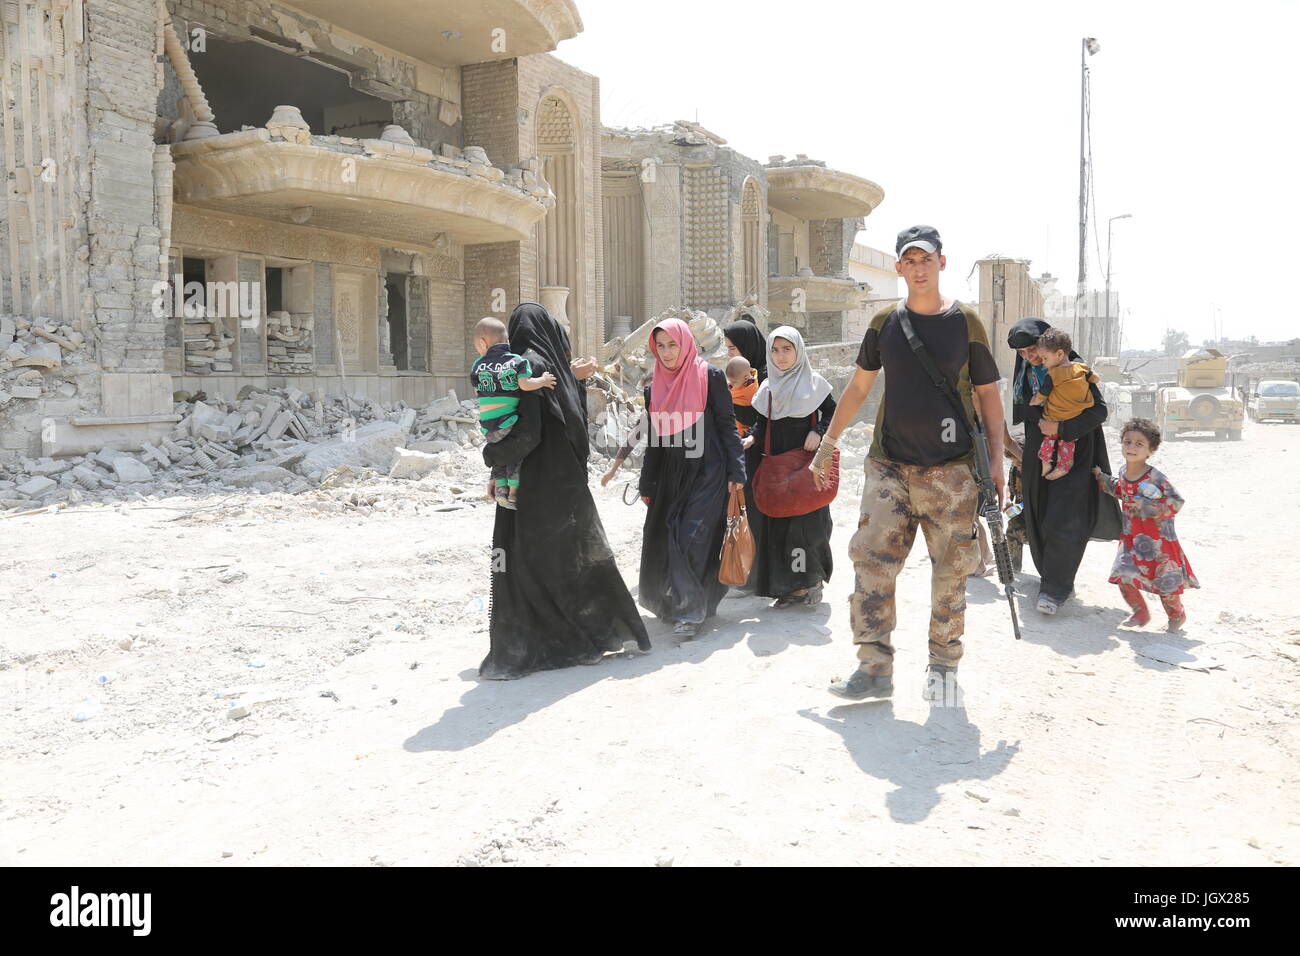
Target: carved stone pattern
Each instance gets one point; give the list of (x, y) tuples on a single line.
[(442, 267), (555, 127), (349, 323), (707, 246)]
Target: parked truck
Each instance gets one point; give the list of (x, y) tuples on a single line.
[(1202, 400)]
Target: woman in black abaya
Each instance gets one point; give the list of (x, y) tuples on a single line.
[(692, 458), (557, 597), (1062, 515), (744, 338)]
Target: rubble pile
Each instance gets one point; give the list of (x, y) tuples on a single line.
[(35, 357), (290, 441), (267, 440), (288, 343), (209, 347)]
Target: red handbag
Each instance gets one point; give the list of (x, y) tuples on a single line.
[(783, 485)]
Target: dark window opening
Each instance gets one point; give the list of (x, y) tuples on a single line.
[(245, 82), (398, 335), (194, 270), (274, 287)]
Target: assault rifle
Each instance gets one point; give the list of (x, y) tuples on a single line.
[(988, 506), (992, 512)]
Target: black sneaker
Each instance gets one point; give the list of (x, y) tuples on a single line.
[(862, 686), (941, 688)]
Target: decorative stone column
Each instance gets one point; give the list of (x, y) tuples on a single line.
[(555, 300)]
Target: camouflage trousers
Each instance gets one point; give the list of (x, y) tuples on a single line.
[(896, 499)]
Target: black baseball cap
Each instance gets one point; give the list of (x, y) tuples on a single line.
[(918, 237)]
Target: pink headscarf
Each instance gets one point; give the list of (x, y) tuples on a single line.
[(678, 395)]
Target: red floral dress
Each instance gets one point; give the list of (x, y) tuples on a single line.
[(1150, 557)]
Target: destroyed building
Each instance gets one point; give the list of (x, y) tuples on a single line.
[(691, 222), (321, 199), (208, 195)]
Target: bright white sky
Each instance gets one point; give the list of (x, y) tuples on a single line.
[(967, 114)]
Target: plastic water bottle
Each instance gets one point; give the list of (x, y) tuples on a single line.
[(85, 710), (1150, 490), (1013, 509)]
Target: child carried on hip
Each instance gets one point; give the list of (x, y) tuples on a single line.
[(499, 376), (1066, 393)]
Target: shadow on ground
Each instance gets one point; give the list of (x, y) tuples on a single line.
[(490, 706), (917, 758)]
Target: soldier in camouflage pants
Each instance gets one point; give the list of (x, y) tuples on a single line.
[(896, 499), (919, 467)]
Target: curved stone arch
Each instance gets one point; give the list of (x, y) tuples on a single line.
[(558, 136), (752, 248)]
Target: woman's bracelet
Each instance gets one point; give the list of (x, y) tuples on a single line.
[(824, 452)]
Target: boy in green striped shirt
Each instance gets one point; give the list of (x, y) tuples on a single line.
[(498, 376)]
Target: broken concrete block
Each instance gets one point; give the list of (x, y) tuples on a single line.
[(444, 407), (35, 487), (213, 432), (435, 446), (413, 464), (204, 414), (407, 420), (251, 475), (106, 456), (278, 426), (372, 446), (48, 466), (85, 477), (157, 455), (25, 391), (130, 469)]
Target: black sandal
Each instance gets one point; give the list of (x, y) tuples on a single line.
[(786, 600)]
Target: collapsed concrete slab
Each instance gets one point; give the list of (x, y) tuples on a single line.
[(370, 446), (251, 475)]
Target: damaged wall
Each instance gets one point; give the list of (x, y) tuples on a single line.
[(540, 106), (699, 211), (425, 97), (83, 82)]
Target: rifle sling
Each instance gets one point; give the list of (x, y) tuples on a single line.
[(940, 380)]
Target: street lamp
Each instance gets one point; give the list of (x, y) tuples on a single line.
[(1110, 224)]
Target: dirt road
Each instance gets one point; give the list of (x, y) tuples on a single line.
[(349, 626)]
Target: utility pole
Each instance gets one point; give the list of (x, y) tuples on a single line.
[(1089, 45)]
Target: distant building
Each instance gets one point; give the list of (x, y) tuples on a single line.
[(1093, 334), (876, 269)]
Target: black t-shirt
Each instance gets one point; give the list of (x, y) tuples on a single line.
[(916, 424)]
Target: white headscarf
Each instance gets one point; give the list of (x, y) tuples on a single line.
[(798, 391)]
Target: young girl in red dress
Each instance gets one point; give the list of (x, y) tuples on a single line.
[(1150, 557)]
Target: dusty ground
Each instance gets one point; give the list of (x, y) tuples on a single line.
[(1073, 748)]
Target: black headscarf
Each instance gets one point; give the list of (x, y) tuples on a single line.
[(1023, 335), (533, 330), (746, 337)]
